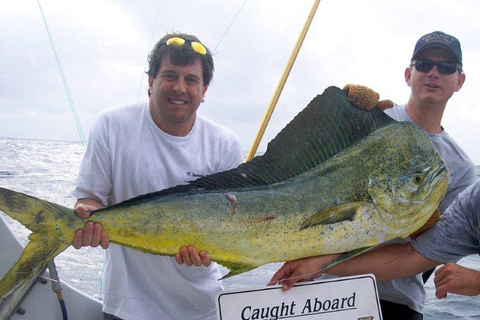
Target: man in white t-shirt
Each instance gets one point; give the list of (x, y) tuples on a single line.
[(140, 148)]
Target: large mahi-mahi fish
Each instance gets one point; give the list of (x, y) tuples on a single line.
[(336, 179)]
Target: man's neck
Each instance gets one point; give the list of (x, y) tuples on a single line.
[(177, 130), (426, 116)]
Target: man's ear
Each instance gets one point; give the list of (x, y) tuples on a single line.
[(408, 75), (461, 81)]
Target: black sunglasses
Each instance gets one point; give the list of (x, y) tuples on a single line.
[(444, 67)]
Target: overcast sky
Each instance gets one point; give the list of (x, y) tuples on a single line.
[(102, 46)]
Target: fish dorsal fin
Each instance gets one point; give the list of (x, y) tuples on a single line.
[(328, 125)]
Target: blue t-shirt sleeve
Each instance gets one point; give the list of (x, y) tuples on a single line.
[(457, 233)]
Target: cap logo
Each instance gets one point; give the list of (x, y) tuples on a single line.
[(438, 38)]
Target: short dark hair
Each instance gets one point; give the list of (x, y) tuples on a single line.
[(180, 55)]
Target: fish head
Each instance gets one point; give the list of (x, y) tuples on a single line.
[(409, 182)]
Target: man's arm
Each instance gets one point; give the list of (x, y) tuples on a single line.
[(391, 261), (387, 262)]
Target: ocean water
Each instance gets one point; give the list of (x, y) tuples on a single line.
[(47, 170)]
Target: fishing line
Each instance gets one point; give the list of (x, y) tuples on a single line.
[(69, 96), (228, 28)]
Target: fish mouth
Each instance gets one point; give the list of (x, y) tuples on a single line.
[(437, 185), (439, 176), (433, 190), (433, 187)]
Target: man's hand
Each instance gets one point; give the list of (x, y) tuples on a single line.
[(92, 235), (300, 270), (454, 278), (365, 98), (189, 257)]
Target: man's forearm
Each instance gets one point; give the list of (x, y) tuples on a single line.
[(387, 262)]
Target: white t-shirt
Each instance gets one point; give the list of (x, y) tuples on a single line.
[(128, 155)]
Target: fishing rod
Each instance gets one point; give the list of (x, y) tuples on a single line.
[(281, 84)]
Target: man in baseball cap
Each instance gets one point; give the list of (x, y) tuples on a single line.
[(434, 74)]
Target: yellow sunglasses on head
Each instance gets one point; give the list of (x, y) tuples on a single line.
[(196, 46)]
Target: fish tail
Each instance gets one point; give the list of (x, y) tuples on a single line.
[(33, 261), (53, 228)]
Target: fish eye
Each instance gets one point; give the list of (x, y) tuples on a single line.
[(417, 178)]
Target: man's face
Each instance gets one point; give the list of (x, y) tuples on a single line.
[(433, 86), (175, 95)]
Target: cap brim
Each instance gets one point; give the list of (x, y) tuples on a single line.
[(437, 46)]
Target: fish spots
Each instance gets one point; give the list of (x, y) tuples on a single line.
[(233, 201), (261, 220), (39, 218), (7, 198)]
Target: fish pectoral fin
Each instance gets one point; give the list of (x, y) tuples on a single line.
[(334, 214), (235, 268), (346, 256)]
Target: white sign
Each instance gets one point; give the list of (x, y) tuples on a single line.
[(353, 298)]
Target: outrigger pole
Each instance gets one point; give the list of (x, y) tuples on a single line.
[(281, 84)]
